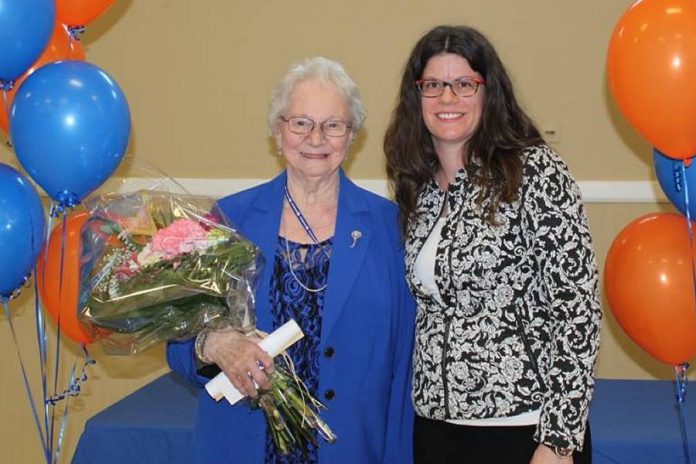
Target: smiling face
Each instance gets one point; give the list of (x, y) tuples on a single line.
[(314, 155), (451, 120)]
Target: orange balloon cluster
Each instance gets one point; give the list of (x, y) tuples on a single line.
[(652, 73), (60, 47), (649, 283), (59, 288)]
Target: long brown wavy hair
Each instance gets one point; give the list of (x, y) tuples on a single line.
[(503, 133)]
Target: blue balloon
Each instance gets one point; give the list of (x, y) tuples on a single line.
[(676, 178), (25, 29), (22, 229), (69, 124)]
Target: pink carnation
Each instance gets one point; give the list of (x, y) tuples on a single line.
[(177, 238), (209, 219)]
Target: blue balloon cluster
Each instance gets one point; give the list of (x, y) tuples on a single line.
[(70, 126), (25, 29), (677, 177), (22, 229)]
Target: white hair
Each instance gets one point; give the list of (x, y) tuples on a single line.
[(326, 71)]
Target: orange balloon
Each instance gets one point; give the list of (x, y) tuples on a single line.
[(60, 47), (649, 283), (651, 67), (61, 302), (80, 12)]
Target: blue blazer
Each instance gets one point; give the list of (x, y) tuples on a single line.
[(367, 321)]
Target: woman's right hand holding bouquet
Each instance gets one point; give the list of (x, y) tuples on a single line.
[(290, 410), (241, 359)]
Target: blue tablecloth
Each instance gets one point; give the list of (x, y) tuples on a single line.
[(633, 422), (152, 425), (637, 422)]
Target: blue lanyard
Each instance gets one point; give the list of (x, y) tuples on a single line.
[(300, 217)]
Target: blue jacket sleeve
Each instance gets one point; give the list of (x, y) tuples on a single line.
[(182, 359), (399, 436)]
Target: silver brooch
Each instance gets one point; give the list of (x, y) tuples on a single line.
[(355, 235)]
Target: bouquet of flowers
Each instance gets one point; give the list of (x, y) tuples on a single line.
[(157, 266)]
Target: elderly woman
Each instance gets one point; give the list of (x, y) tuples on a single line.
[(500, 260), (334, 263)]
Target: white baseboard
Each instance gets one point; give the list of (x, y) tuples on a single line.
[(594, 191)]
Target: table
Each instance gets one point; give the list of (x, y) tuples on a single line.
[(637, 422), (151, 425), (633, 421)]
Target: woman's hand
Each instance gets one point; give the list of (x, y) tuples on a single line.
[(241, 359), (545, 455)]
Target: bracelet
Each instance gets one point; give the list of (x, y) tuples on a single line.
[(199, 346), (563, 452)]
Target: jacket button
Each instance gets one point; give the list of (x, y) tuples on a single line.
[(329, 394), (329, 352)]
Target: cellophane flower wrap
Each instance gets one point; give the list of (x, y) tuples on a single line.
[(157, 266)]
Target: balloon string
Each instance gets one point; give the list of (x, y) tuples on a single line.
[(65, 200), (18, 291), (42, 343), (27, 388), (58, 320), (42, 340), (74, 389), (5, 100), (6, 86), (75, 32), (64, 420), (75, 386), (679, 182), (56, 210), (681, 381)]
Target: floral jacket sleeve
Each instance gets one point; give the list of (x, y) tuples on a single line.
[(564, 253)]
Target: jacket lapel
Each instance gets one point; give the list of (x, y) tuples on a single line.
[(347, 257), (262, 224)]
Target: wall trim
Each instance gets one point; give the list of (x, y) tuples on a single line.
[(592, 191)]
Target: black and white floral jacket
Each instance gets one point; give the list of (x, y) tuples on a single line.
[(517, 327)]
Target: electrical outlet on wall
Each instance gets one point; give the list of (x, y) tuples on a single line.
[(551, 132)]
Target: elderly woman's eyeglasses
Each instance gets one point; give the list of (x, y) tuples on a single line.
[(303, 126), (466, 87)]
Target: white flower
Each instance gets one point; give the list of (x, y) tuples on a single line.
[(147, 257)]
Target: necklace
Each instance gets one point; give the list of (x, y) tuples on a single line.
[(305, 225), (294, 276)]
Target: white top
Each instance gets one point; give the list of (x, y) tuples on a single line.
[(424, 269)]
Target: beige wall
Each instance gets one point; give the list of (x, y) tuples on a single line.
[(198, 74)]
